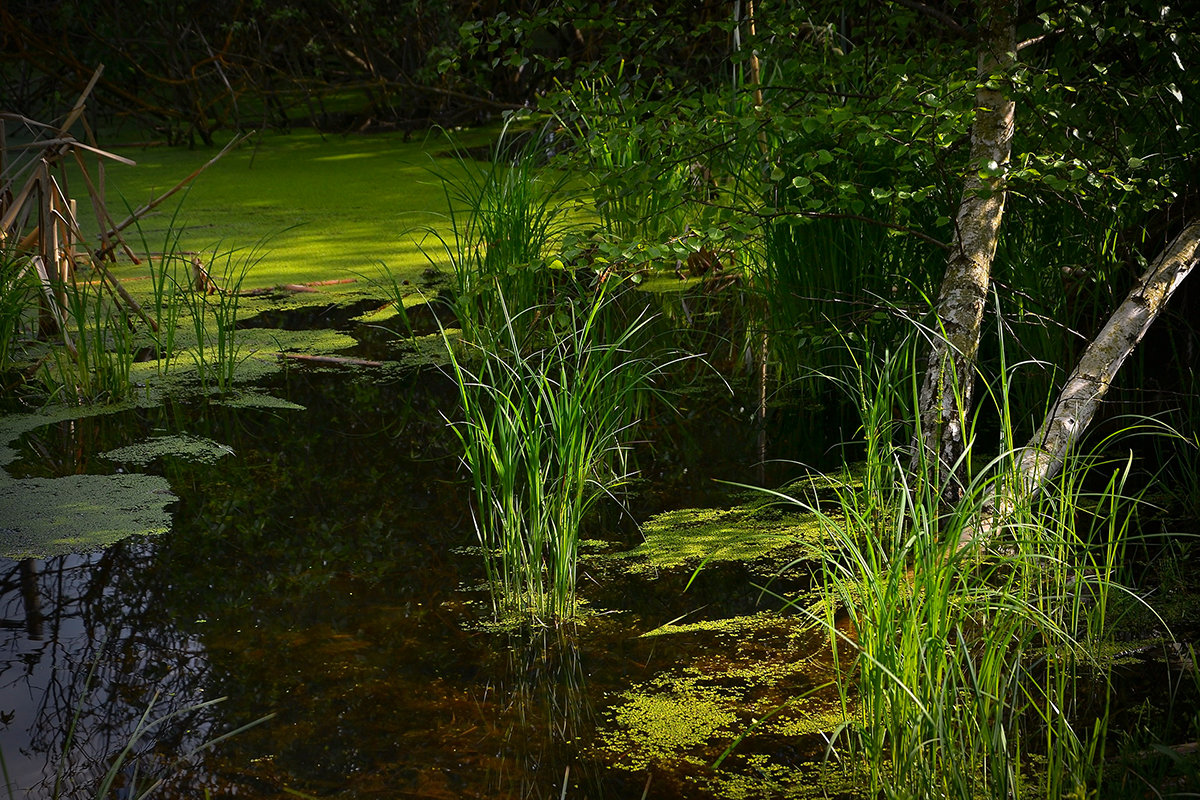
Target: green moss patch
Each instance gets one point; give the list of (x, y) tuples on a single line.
[(46, 517)]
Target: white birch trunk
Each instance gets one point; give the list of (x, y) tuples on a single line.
[(945, 399), (1070, 416)]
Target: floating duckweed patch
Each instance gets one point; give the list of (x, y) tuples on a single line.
[(323, 216), (259, 400), (385, 316), (765, 686), (277, 340), (675, 718), (766, 777), (806, 718), (670, 720), (693, 535), (735, 626), (191, 448), (418, 352), (849, 477), (47, 517), (258, 355)]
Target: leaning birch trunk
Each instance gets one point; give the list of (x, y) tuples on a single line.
[(945, 399), (1087, 384), (1071, 414)]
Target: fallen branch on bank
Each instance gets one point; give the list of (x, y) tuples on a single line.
[(340, 360)]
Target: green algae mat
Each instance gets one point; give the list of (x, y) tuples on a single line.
[(336, 211), (324, 207)]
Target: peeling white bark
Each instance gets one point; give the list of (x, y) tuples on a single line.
[(1070, 416), (945, 398), (1086, 386)]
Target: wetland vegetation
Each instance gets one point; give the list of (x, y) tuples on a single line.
[(703, 420)]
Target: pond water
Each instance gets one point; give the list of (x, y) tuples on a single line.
[(319, 568)]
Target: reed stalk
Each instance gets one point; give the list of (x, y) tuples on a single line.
[(544, 436)]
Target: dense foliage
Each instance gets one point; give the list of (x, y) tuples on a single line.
[(816, 150)]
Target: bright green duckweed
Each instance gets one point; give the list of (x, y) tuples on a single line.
[(691, 536), (333, 207)]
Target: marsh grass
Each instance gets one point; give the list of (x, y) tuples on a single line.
[(551, 374), (95, 363), (637, 197), (823, 282), (166, 264), (505, 215), (959, 659), (214, 314), (544, 436)]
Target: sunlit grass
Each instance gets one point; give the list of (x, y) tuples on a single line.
[(962, 635), (544, 436)]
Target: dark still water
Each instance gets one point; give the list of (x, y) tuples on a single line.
[(322, 574)]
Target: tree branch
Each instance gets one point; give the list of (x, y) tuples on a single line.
[(940, 16)]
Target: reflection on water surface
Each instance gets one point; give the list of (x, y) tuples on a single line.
[(323, 574)]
